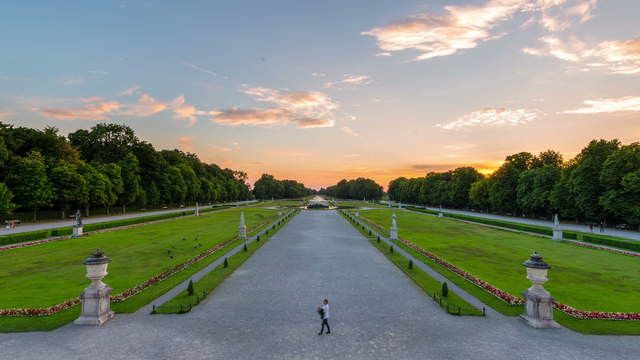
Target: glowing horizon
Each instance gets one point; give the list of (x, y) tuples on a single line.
[(318, 92)]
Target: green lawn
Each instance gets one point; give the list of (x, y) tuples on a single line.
[(358, 204), (583, 278), (48, 274), (280, 203)]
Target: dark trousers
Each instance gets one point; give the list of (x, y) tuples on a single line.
[(325, 322)]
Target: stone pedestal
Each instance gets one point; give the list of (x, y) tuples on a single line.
[(242, 231), (96, 302), (357, 214), (557, 234), (538, 309), (96, 307), (197, 212), (77, 231)]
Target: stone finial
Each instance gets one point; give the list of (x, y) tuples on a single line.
[(243, 227)]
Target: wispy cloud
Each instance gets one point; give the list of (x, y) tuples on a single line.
[(130, 91), (349, 131), (185, 143), (610, 105), (222, 148), (350, 80), (613, 56), (491, 117), (206, 71), (458, 147), (4, 115), (316, 74), (306, 109), (71, 81), (464, 27), (97, 111), (287, 153)]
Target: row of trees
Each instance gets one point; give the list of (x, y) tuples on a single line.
[(601, 184), (268, 187), (101, 167), (359, 188)]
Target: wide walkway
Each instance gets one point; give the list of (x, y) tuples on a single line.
[(267, 310), (57, 224)]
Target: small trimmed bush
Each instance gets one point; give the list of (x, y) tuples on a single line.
[(378, 238), (244, 248), (226, 263), (190, 289), (391, 249), (410, 264), (445, 289), (258, 238)]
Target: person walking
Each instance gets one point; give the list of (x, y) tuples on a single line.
[(323, 310)]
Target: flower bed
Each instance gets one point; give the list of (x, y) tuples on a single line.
[(514, 300), (129, 292)]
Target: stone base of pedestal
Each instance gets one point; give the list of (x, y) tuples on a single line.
[(77, 231), (243, 233), (440, 215), (538, 309), (394, 234), (557, 235), (95, 320)]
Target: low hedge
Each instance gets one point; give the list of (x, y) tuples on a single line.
[(23, 237), (595, 239), (62, 231)]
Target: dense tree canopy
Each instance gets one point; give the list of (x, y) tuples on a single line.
[(104, 166), (359, 188), (601, 184), (268, 187)]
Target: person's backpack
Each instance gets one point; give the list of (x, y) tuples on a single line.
[(321, 312)]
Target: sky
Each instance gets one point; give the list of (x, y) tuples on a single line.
[(319, 91)]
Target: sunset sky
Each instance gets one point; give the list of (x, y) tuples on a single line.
[(318, 91)]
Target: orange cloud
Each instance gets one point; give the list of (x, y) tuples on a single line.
[(350, 80), (185, 143), (306, 109), (491, 117), (90, 112)]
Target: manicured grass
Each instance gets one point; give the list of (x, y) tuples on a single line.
[(280, 203), (213, 279), (424, 281), (358, 204), (49, 274), (584, 278)]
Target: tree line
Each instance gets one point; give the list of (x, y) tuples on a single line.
[(359, 189), (600, 184), (104, 166), (268, 187)]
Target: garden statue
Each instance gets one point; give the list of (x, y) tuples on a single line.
[(243, 227), (394, 227), (557, 231), (77, 227)]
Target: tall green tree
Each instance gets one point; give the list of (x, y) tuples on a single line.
[(29, 182), (69, 186), (130, 169), (6, 206)]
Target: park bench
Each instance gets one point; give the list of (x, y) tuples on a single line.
[(11, 224)]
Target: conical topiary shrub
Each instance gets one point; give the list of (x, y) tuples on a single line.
[(190, 289), (244, 248), (445, 289), (410, 264), (226, 263), (258, 238), (391, 249)]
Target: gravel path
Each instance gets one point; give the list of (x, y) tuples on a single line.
[(266, 310)]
